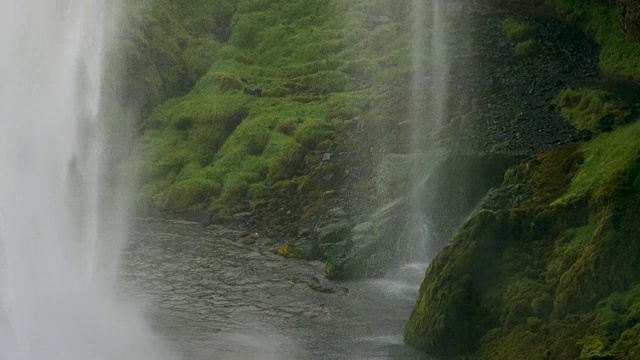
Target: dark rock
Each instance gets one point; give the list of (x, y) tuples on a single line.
[(373, 21), (336, 213), (204, 218), (250, 239), (455, 188), (253, 91), (372, 247), (241, 215), (333, 233)]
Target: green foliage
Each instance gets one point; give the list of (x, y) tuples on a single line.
[(516, 30), (289, 251), (558, 277), (590, 109), (618, 56), (526, 48), (208, 145), (605, 158)]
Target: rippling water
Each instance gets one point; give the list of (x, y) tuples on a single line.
[(213, 297)]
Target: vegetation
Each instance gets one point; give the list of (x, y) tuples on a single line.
[(289, 251), (618, 56), (516, 30), (526, 48), (522, 33), (555, 277), (241, 97), (550, 270), (590, 109)]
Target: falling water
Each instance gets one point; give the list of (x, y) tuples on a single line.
[(62, 210), (429, 86), (440, 63)]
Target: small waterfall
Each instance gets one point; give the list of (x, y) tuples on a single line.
[(429, 88), (62, 209), (439, 86)]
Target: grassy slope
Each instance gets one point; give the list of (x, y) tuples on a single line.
[(206, 144), (558, 276), (618, 57)]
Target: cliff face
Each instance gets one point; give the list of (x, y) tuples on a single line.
[(549, 266), (282, 110)]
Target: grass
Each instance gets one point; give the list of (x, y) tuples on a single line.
[(516, 30), (605, 158), (618, 56), (208, 145), (590, 109), (526, 48)]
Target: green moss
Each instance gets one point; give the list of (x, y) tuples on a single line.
[(289, 251), (228, 82), (567, 248), (590, 109), (618, 56), (526, 48), (516, 30), (557, 278), (311, 132), (605, 159), (554, 171), (206, 144)]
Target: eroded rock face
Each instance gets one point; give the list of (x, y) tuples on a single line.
[(370, 247), (452, 186)]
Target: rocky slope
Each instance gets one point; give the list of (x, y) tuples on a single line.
[(293, 116), (548, 267)]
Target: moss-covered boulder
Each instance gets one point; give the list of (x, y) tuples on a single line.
[(536, 278)]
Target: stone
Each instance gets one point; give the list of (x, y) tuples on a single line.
[(241, 215), (336, 213), (334, 232), (250, 239), (253, 91)]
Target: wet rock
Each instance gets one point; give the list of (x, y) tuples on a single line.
[(372, 247), (249, 239), (242, 215), (336, 249), (253, 91), (204, 218), (373, 21), (336, 213), (454, 189), (333, 233)]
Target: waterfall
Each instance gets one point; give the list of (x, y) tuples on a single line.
[(62, 209), (429, 88)]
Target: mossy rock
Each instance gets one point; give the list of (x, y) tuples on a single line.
[(289, 251), (516, 30), (592, 110), (526, 48)]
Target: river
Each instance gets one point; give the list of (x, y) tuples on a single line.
[(213, 297)]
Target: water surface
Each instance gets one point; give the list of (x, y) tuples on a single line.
[(213, 297)]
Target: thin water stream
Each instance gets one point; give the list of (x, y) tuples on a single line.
[(213, 297)]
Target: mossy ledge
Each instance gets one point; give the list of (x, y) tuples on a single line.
[(553, 275), (549, 267)]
